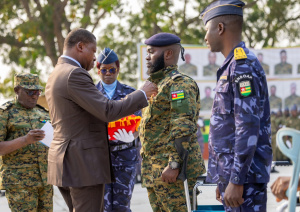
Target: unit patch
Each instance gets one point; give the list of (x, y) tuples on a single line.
[(244, 84), (177, 95)]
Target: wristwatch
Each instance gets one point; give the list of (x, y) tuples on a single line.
[(174, 165)]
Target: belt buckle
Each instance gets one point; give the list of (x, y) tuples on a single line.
[(120, 147)]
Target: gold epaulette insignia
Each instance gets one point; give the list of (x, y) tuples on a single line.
[(239, 54)]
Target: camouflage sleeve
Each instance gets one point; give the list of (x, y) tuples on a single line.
[(184, 94), (246, 94), (3, 124)]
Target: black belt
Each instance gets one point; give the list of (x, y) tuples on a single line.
[(121, 147)]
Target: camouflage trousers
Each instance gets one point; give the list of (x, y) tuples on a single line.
[(165, 197), (30, 199), (117, 195), (255, 198)]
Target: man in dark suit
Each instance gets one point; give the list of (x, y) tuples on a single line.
[(79, 158)]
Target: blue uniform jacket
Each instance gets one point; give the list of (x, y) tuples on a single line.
[(239, 138), (127, 156)]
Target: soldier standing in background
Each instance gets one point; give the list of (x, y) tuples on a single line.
[(240, 152), (124, 155), (283, 67), (170, 118), (293, 120), (212, 68), (23, 160)]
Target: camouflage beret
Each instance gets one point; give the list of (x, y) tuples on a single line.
[(27, 81)]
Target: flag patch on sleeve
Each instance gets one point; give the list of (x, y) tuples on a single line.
[(177, 95), (245, 88)]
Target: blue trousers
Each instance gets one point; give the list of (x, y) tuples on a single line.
[(117, 195), (255, 198)]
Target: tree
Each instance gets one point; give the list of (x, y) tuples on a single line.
[(33, 31), (268, 22), (265, 22)]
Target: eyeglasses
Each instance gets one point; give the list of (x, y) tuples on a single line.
[(32, 92), (111, 70)]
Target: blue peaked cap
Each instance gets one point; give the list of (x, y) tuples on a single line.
[(222, 7), (107, 56)]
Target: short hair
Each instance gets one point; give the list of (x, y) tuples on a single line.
[(230, 20), (78, 35), (207, 88), (282, 51), (273, 86), (260, 54)]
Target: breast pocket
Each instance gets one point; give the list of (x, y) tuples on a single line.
[(222, 101)]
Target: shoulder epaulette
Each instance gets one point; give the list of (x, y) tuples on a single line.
[(6, 105), (40, 106), (174, 74), (239, 54)]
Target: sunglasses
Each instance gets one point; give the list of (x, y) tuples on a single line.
[(111, 70), (32, 92)]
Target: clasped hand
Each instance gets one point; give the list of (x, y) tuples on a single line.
[(233, 196)]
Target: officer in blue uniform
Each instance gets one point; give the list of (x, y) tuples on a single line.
[(123, 152), (240, 152)]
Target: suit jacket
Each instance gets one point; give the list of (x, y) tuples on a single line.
[(79, 153)]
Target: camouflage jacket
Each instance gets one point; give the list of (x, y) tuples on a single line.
[(291, 100), (26, 166), (128, 156), (239, 138), (275, 102), (172, 114), (283, 68), (188, 69), (293, 122), (210, 70)]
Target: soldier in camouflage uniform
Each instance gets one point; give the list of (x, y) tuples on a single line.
[(207, 101), (283, 67), (212, 68), (293, 99), (293, 120), (171, 116), (124, 155), (188, 68), (275, 101), (266, 67), (23, 160), (240, 152)]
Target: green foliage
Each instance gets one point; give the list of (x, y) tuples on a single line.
[(34, 30)]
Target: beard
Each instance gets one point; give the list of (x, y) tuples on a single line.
[(158, 64)]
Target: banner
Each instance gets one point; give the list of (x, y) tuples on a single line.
[(282, 68)]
